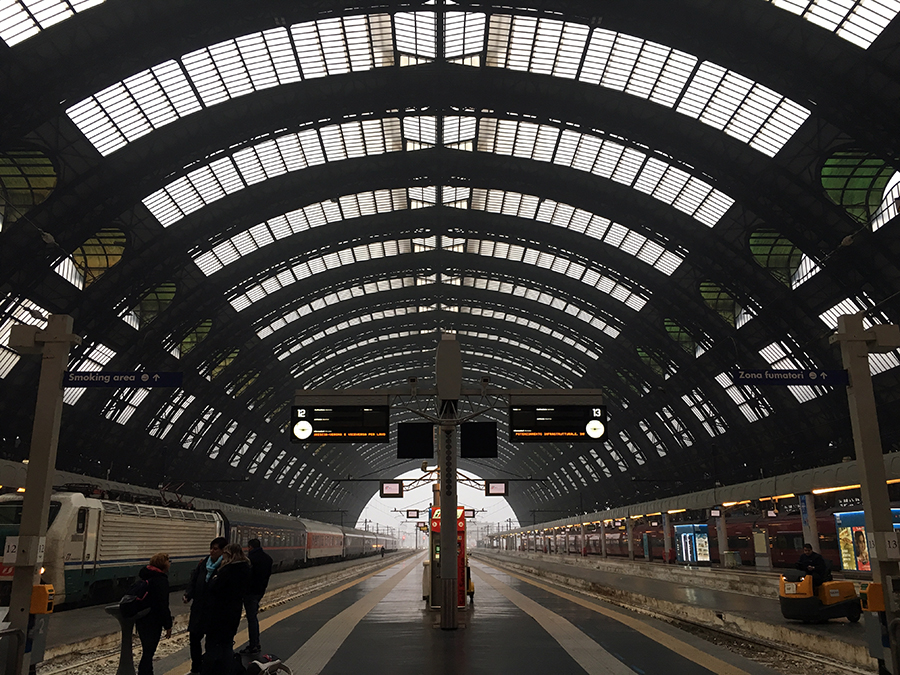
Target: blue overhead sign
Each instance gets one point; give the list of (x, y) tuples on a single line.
[(137, 380), (822, 378)]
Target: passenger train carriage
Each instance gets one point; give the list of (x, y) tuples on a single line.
[(95, 545)]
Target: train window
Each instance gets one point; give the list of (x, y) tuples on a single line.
[(81, 525)]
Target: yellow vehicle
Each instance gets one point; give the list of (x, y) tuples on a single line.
[(829, 600)]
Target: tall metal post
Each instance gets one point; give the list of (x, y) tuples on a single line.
[(603, 538), (722, 535), (448, 377), (53, 344), (629, 528), (856, 343)]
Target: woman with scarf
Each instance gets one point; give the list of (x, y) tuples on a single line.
[(150, 627), (224, 603), (196, 593)]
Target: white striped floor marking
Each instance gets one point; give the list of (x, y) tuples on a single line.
[(588, 654), (315, 654)]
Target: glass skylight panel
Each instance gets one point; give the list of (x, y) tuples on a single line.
[(778, 357), (22, 312), (122, 405), (705, 412), (292, 152), (574, 270), (464, 33), (94, 359), (415, 33), (607, 159), (858, 21), (762, 118), (741, 108), (169, 414), (22, 19), (890, 203), (747, 397)]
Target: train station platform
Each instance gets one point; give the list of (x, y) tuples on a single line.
[(742, 603), (378, 624)]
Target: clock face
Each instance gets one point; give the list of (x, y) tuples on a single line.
[(595, 429), (303, 430)]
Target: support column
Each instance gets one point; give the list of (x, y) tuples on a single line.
[(603, 538), (856, 343), (808, 519), (53, 344), (722, 536), (584, 546), (628, 531), (667, 538), (566, 541), (448, 377)]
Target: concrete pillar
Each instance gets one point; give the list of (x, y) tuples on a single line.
[(856, 343), (722, 535), (628, 531), (53, 344), (808, 520), (583, 550), (566, 542), (603, 538)]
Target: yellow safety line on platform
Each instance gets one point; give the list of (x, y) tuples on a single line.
[(268, 622), (587, 653), (670, 642), (315, 654)]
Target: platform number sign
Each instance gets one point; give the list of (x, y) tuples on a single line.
[(340, 424), (557, 423)]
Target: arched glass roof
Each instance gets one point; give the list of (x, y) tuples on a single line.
[(714, 95), (652, 175), (387, 201), (859, 22)]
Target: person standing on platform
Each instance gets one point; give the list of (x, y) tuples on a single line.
[(196, 592), (224, 601), (150, 627), (261, 570)]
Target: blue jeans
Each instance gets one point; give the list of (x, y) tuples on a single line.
[(251, 606)]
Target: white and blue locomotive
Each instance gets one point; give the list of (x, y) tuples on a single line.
[(96, 544)]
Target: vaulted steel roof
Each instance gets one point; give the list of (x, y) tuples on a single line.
[(274, 196)]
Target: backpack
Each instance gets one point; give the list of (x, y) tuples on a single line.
[(135, 604)]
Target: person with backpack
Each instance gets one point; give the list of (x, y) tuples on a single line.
[(196, 593), (224, 601), (261, 569), (155, 599)]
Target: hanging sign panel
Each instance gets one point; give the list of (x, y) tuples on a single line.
[(340, 424), (557, 423)]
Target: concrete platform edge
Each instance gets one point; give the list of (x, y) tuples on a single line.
[(735, 624)]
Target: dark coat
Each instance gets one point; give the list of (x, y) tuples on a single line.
[(158, 596), (817, 562), (196, 593), (261, 569), (225, 600)]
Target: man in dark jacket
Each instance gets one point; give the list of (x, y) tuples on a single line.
[(196, 592), (261, 568), (814, 564)]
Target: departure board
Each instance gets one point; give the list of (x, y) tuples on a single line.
[(340, 424), (557, 423)]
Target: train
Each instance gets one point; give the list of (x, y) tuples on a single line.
[(96, 542), (782, 531)]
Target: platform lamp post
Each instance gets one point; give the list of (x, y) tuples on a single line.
[(53, 344), (856, 344)]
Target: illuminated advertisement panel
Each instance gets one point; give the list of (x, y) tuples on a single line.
[(853, 540)]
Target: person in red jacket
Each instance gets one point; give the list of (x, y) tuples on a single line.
[(150, 627)]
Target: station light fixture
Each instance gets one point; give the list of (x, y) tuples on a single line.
[(671, 511)]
